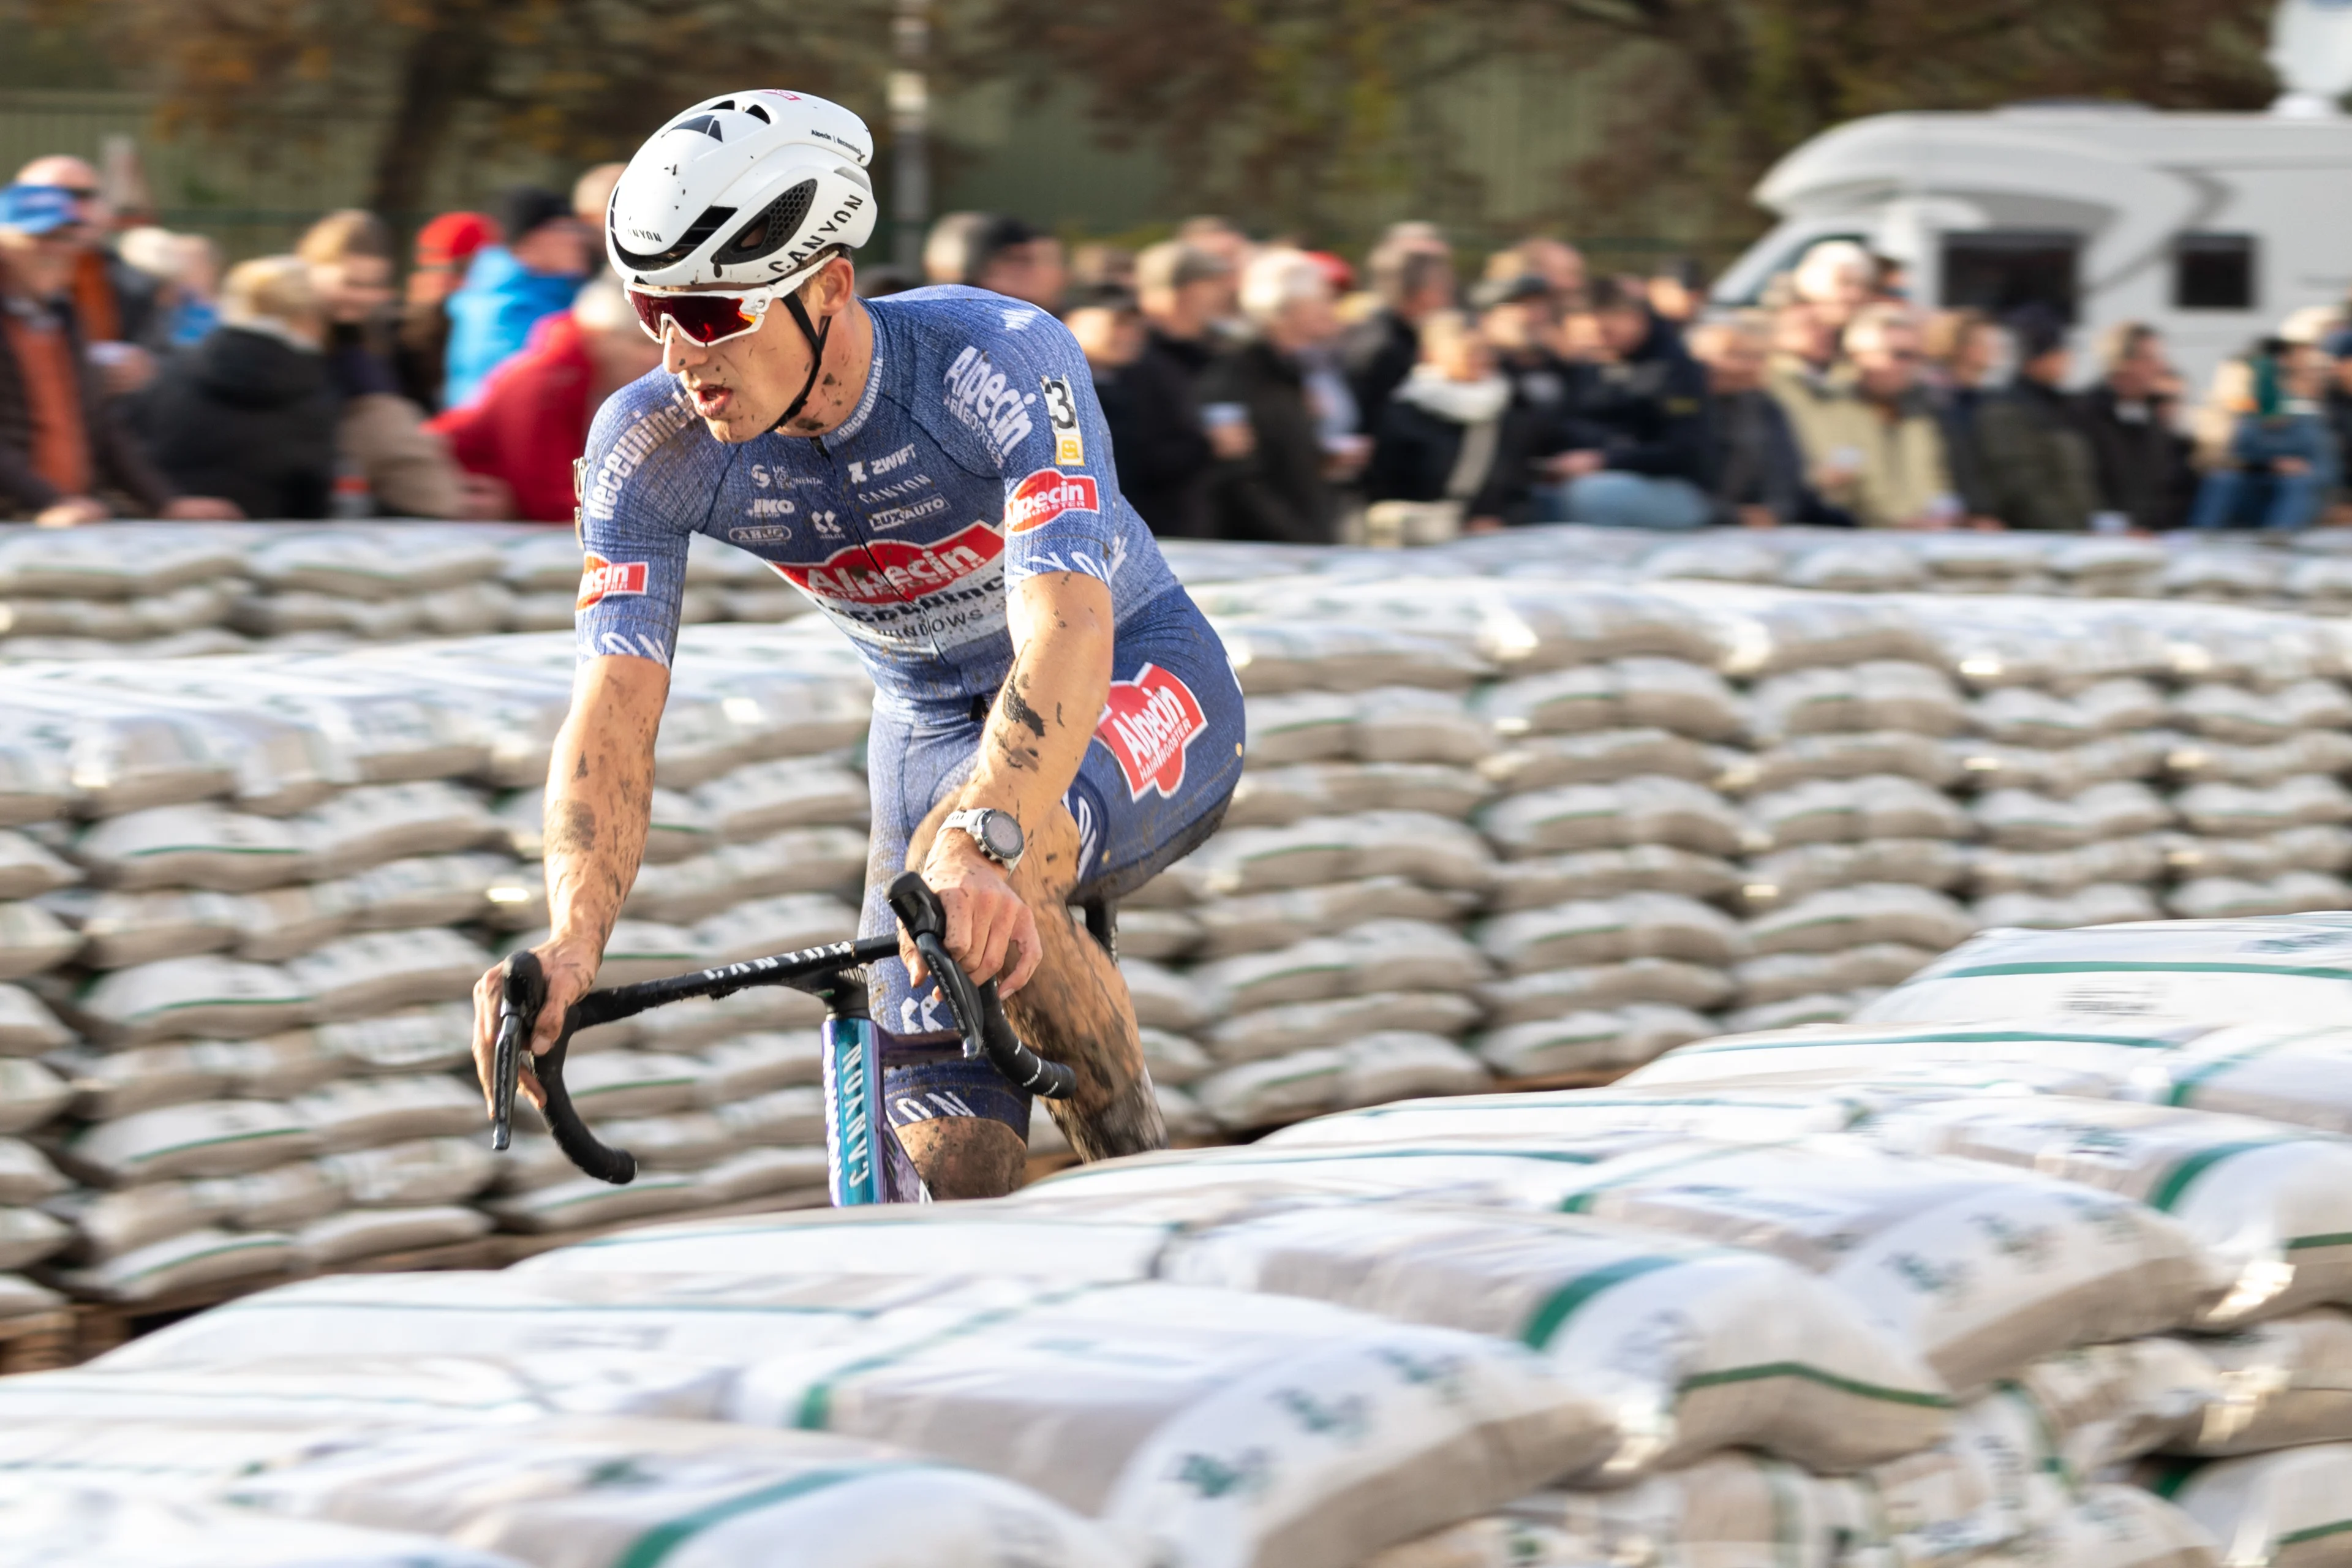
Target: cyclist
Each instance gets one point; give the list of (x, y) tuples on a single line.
[(1055, 722)]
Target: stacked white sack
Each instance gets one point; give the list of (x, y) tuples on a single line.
[(180, 589), (256, 893)]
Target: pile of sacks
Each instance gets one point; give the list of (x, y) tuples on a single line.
[(243, 904), (172, 590), (1520, 827), (1991, 1278)]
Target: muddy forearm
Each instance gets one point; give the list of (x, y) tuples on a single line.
[(600, 796), (1044, 717)]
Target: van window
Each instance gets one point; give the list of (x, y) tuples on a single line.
[(2213, 272), (2000, 271)]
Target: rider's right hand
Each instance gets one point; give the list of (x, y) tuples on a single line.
[(571, 967)]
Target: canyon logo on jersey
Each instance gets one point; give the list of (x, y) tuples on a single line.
[(892, 590), (1046, 495), (601, 579), (1149, 723)]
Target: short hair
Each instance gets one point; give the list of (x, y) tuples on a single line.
[(1173, 263), (1276, 279), (962, 245), (1948, 331), (1208, 224), (271, 288), (1824, 261), (341, 235), (601, 307), (1754, 326), (1874, 321), (1401, 269), (2119, 342), (1610, 292), (153, 250)]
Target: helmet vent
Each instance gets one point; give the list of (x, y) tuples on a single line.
[(756, 111), (772, 229), (697, 231), (706, 124)]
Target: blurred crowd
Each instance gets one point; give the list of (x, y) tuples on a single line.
[(1254, 390), (137, 378)]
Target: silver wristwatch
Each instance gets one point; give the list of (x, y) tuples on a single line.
[(995, 832)]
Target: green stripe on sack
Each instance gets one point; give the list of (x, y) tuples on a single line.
[(1943, 1038), (1570, 1298), (2185, 1086), (656, 1544), (1922, 1398), (2313, 1532), (815, 1410), (1582, 1202), (2176, 1182), (2312, 1243), (2099, 966)]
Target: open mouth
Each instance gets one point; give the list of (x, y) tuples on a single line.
[(711, 401)]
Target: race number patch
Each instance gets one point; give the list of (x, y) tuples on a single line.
[(601, 579), (1149, 723), (1062, 415), (1046, 495)]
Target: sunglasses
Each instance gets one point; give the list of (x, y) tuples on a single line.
[(705, 319)]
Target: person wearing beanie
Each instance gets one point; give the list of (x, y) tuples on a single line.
[(512, 287), (2039, 468), (445, 249)]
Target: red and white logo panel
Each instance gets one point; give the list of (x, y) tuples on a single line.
[(1149, 723), (893, 571), (601, 579), (1046, 495)]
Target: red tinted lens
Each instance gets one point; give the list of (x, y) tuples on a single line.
[(705, 318)]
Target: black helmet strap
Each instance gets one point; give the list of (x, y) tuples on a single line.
[(816, 336)]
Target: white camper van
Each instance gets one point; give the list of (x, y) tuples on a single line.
[(2213, 227)]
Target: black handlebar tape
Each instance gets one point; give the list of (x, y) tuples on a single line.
[(524, 991), (1026, 1068), (580, 1146), (979, 1012)]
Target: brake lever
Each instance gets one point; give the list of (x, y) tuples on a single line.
[(523, 995), (522, 992)]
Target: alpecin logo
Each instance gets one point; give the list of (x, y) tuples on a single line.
[(601, 579), (978, 394), (890, 571), (1046, 495), (1149, 723)]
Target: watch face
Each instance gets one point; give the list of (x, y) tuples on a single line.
[(1002, 834)]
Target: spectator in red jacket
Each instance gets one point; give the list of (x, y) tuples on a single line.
[(531, 418)]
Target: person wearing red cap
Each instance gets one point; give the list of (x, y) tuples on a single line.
[(444, 248)]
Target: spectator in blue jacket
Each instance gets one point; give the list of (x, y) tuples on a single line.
[(2281, 463), (512, 287)]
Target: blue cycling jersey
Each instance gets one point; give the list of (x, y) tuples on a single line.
[(977, 456)]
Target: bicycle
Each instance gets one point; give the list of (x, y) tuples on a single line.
[(856, 1171)]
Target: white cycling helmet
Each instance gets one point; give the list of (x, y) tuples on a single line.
[(745, 194), (750, 190)]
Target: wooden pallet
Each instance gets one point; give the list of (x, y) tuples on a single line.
[(37, 1341)]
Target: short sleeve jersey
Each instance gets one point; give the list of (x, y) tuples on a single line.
[(977, 456)]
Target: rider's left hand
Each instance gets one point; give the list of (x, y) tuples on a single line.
[(991, 932)]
